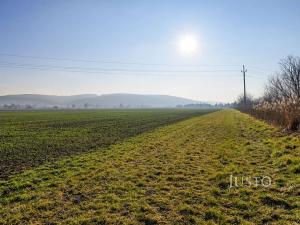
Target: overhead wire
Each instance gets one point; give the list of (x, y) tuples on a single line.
[(114, 62), (122, 71)]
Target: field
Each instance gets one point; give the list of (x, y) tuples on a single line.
[(28, 139), (174, 174)]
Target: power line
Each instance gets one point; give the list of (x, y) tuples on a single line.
[(260, 69), (111, 62), (71, 69), (110, 73), (89, 69), (118, 71), (255, 77)]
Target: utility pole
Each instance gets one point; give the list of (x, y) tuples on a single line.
[(244, 76)]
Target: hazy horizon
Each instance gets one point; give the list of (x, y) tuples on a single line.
[(116, 93), (189, 49)]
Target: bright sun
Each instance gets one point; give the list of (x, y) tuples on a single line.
[(188, 44)]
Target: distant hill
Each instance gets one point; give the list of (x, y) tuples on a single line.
[(96, 101), (40, 100)]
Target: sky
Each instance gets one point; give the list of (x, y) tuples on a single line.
[(101, 47)]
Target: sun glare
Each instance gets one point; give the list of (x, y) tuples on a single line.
[(188, 44)]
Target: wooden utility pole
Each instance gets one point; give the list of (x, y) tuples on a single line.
[(244, 76)]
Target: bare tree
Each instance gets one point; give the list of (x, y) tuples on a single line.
[(285, 86), (239, 103), (283, 93)]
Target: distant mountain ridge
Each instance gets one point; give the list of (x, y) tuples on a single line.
[(96, 101)]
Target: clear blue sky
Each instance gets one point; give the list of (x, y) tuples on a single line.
[(255, 33)]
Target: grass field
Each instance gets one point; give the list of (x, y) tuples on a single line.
[(176, 174), (31, 138)]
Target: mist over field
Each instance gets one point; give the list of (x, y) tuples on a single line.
[(94, 101)]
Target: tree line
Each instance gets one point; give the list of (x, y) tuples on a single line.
[(280, 103)]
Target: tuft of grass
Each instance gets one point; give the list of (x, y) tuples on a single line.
[(273, 201)]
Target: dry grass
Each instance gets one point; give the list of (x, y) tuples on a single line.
[(285, 114)]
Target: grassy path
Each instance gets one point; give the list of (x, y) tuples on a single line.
[(177, 174)]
